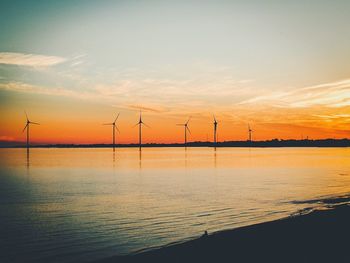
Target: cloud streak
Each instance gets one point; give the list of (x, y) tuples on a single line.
[(28, 88), (333, 94), (29, 60), (151, 108)]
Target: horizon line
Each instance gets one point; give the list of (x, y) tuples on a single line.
[(240, 143)]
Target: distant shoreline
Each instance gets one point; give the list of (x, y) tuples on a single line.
[(260, 144), (318, 236)]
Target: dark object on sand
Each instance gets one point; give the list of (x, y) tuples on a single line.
[(205, 234)]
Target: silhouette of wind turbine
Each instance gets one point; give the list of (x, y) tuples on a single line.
[(215, 129), (249, 133), (114, 127), (27, 127), (186, 129), (140, 129)]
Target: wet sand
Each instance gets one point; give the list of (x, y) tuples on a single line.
[(318, 236)]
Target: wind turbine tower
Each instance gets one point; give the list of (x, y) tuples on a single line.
[(185, 129), (215, 130), (249, 133), (114, 127), (27, 127), (140, 129)]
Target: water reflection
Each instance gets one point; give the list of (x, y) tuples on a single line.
[(140, 158), (27, 158), (113, 159), (215, 164), (27, 163), (75, 208)]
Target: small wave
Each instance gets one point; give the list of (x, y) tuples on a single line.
[(334, 200)]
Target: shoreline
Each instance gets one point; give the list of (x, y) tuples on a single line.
[(275, 143), (318, 236)]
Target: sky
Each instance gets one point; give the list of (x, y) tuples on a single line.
[(281, 66)]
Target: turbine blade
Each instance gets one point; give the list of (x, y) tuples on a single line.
[(214, 118), (117, 129), (188, 129), (136, 124), (180, 124), (107, 123), (25, 127), (188, 119), (34, 123), (146, 125), (116, 118), (26, 115)]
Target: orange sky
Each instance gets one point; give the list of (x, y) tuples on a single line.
[(79, 121)]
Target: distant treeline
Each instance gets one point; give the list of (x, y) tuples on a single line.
[(267, 143)]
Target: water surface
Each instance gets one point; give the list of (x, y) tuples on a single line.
[(69, 205)]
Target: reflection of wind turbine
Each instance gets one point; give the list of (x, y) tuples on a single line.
[(114, 127), (27, 127), (186, 129), (140, 129), (215, 129), (249, 133)]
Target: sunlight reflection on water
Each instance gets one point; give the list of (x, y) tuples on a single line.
[(64, 205)]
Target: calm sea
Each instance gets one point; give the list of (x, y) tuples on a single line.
[(70, 205)]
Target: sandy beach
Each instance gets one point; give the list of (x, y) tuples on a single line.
[(318, 236)]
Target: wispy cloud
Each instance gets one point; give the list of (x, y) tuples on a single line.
[(29, 60), (151, 108), (77, 60), (28, 88), (204, 88), (133, 87), (333, 94), (330, 117)]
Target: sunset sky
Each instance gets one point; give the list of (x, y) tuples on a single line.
[(281, 66)]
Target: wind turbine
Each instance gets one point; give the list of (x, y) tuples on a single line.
[(215, 129), (186, 129), (27, 127), (140, 129), (114, 127), (249, 133)]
